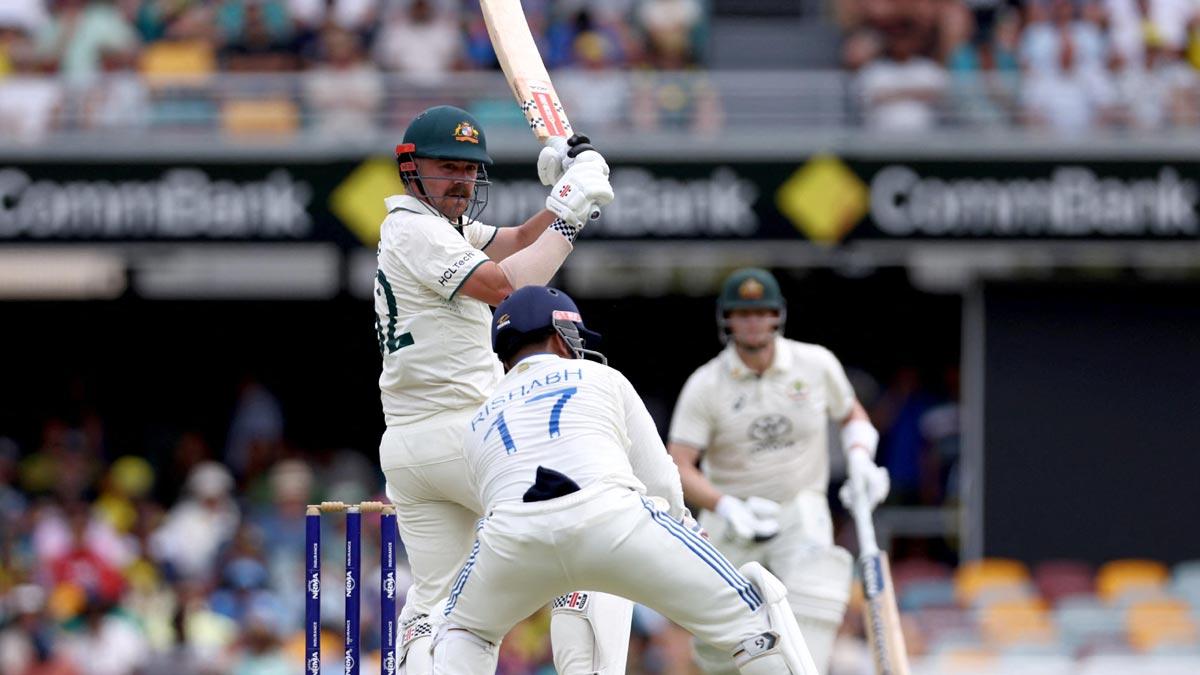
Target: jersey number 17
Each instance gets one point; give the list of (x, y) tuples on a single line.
[(501, 427)]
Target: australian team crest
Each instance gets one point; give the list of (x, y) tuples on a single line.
[(751, 289), (466, 132)]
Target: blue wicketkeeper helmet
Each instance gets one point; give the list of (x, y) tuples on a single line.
[(533, 313)]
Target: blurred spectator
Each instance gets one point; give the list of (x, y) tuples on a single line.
[(79, 32), (1161, 93), (103, 642), (118, 100), (199, 524), (1126, 21), (898, 413), (89, 560), (176, 20), (260, 652), (479, 53), (594, 91), (124, 491), (1051, 25), (669, 25), (901, 90), (27, 15), (30, 102), (256, 430), (564, 32), (314, 16), (257, 36), (1172, 20), (1069, 99), (675, 100), (421, 40), (28, 641)]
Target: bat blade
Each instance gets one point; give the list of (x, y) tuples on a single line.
[(881, 616), (524, 69)]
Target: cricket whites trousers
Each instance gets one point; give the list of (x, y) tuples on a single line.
[(604, 538)]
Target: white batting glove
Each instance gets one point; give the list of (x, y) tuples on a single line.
[(582, 189), (866, 478), (743, 522), (561, 154)]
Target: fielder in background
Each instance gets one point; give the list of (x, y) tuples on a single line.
[(758, 415), (439, 269), (580, 493)]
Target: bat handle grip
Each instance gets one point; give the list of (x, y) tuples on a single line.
[(595, 212), (864, 524)]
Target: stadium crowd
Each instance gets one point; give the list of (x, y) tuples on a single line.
[(1065, 66), (186, 556)]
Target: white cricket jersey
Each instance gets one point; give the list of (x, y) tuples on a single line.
[(764, 436), (436, 343), (578, 417)]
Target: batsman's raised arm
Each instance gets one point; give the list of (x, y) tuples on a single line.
[(443, 163)]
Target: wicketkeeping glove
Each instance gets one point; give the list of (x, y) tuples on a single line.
[(755, 519), (865, 478), (561, 154), (581, 190)]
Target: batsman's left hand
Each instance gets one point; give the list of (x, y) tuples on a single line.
[(866, 479), (561, 154)]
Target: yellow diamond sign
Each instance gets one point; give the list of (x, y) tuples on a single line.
[(824, 199), (358, 200)]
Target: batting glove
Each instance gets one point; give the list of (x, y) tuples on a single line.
[(744, 523), (561, 154), (582, 189), (866, 480)]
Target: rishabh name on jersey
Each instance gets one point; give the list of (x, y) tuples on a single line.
[(564, 414), (435, 341), (764, 436)]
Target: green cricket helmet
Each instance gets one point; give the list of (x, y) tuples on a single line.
[(445, 132), (749, 288)]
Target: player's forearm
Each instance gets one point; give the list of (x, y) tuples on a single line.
[(509, 240), (697, 489)]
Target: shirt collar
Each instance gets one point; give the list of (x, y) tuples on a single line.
[(406, 203), (531, 360), (413, 205), (738, 370)]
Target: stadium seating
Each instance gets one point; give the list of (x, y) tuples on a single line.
[(1130, 577), (178, 63), (269, 117)]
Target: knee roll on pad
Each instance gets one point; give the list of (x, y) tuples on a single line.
[(458, 651), (589, 633)]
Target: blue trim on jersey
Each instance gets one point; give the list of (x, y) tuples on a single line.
[(710, 555)]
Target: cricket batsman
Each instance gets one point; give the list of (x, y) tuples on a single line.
[(439, 270), (580, 493), (757, 415)]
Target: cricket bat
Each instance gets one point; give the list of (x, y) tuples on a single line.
[(524, 69), (881, 615), (526, 73)]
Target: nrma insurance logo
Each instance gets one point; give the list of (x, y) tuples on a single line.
[(389, 586), (314, 664), (314, 585), (389, 664), (349, 662), (349, 583)]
